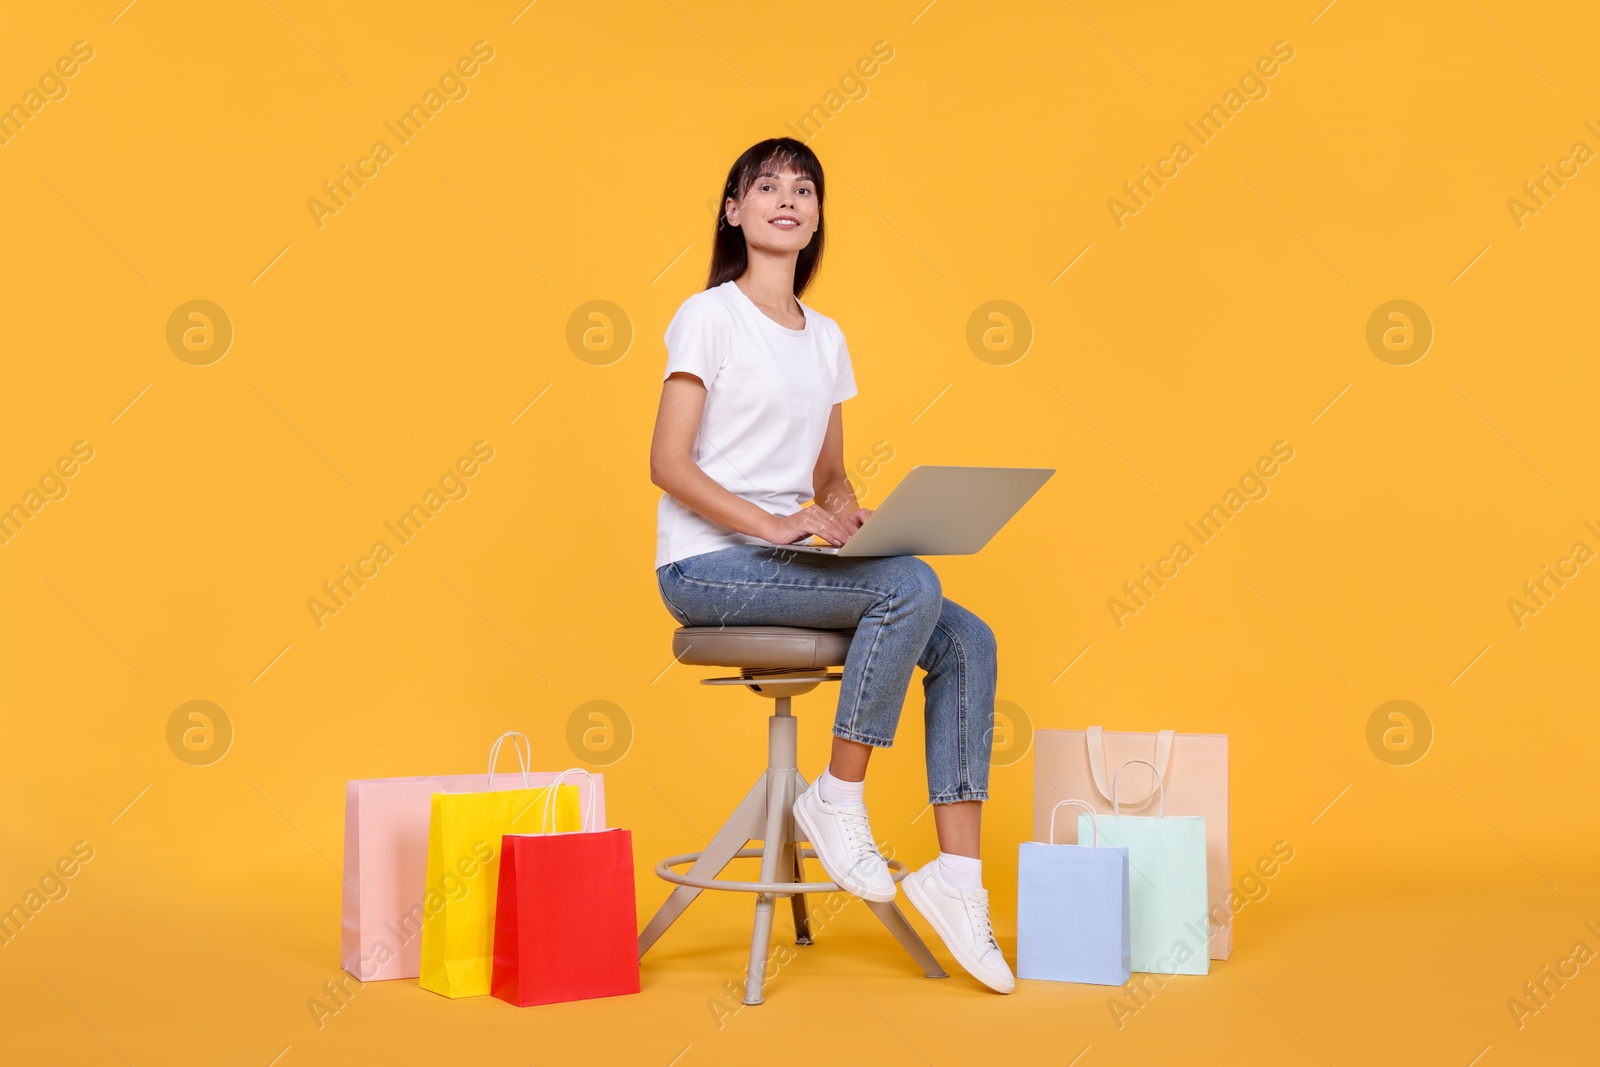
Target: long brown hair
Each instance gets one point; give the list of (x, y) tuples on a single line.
[(729, 255)]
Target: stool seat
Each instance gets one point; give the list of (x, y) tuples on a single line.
[(758, 647)]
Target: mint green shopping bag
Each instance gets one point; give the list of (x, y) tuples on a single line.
[(1169, 929)]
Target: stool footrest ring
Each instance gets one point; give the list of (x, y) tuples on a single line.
[(776, 679), (783, 889)]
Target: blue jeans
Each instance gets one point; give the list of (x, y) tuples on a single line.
[(901, 619)]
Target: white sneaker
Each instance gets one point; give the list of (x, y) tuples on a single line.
[(961, 919), (843, 842)]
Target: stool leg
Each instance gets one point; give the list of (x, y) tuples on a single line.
[(772, 846), (791, 868), (745, 823), (889, 913), (802, 917), (796, 851)]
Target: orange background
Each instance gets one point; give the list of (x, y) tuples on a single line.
[(974, 165)]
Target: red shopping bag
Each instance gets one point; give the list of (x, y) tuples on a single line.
[(566, 924)]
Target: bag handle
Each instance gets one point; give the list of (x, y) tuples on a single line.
[(1094, 819), (1097, 762), (585, 822), (1157, 788), (524, 754)]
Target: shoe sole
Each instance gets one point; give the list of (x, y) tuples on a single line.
[(810, 832), (926, 909)]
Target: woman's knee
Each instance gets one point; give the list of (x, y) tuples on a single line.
[(982, 637), (975, 636), (917, 585)]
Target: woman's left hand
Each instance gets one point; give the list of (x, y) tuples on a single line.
[(855, 518)]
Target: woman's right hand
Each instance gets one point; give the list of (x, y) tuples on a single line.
[(813, 519)]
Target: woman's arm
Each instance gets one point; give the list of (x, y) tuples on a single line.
[(672, 467), (830, 485)]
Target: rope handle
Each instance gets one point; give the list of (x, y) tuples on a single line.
[(524, 754), (1094, 737), (585, 822), (1158, 788), (1094, 819)]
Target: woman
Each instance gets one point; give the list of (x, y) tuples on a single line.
[(749, 428)]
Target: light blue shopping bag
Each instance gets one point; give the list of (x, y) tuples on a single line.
[(1168, 905), (1072, 909)]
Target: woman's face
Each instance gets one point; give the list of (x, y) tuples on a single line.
[(779, 213)]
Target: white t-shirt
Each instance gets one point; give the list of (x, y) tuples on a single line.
[(769, 393)]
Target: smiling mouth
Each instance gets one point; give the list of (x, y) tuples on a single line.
[(784, 223)]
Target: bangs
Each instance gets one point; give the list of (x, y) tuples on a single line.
[(782, 157)]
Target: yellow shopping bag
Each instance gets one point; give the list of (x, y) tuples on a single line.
[(464, 832)]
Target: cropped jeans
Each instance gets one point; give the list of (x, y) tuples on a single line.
[(901, 620)]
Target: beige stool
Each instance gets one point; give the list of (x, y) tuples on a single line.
[(778, 662)]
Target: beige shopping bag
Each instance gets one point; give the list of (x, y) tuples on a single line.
[(1193, 769)]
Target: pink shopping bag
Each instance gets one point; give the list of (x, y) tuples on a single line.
[(386, 859)]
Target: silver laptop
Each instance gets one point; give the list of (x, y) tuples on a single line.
[(941, 511)]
